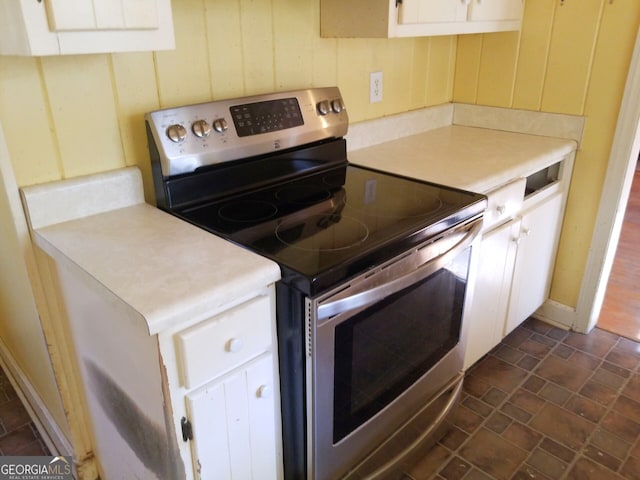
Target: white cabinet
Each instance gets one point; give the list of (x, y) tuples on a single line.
[(491, 293), (414, 18), (537, 241), (234, 424), (228, 373), (517, 256), (62, 27)]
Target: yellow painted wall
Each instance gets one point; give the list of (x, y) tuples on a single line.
[(75, 115), (570, 57)]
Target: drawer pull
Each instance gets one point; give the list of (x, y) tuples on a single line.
[(501, 209), (265, 391), (234, 345)]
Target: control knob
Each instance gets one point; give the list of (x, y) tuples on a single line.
[(324, 107), (220, 125), (337, 105), (176, 133), (201, 128)]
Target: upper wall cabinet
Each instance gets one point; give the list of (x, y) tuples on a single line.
[(64, 27), (416, 18)]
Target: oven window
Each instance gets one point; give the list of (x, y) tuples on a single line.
[(383, 350)]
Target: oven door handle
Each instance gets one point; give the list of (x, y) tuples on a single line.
[(376, 294)]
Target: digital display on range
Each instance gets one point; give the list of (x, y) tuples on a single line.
[(264, 117)]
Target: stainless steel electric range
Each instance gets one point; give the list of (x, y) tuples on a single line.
[(375, 267)]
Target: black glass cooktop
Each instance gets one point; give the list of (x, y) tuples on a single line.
[(325, 227)]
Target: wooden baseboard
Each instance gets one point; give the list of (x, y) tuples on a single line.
[(52, 435)]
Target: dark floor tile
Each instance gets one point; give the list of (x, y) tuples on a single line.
[(555, 393), (456, 469), (632, 389), (477, 406), (494, 397), (608, 378), (563, 351), (616, 369), (516, 337), (631, 469), (599, 392), (522, 436), (527, 401), (562, 426), (585, 360), (547, 464), (498, 422), (557, 333), (499, 373), (557, 450), (585, 469), (17, 439), (603, 458), (623, 357), (610, 443), (621, 426), (597, 343), (475, 385), (33, 449), (534, 347), (430, 464), (528, 363), (586, 408), (627, 407), (534, 384), (454, 438), (515, 412), (536, 325), (466, 419), (13, 415), (485, 447), (563, 372), (508, 354)]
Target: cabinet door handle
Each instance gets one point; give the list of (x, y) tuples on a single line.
[(234, 345), (265, 391), (526, 231), (501, 209)]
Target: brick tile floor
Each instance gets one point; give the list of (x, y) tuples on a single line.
[(18, 434), (545, 404)]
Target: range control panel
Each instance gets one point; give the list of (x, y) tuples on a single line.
[(194, 136)]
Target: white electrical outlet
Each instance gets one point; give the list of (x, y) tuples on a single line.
[(375, 87)]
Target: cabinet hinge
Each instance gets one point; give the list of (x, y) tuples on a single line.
[(187, 430)]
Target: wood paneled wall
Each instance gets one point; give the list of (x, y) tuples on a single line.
[(571, 56), (70, 116)]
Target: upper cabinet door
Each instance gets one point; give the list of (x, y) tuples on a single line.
[(61, 27), (102, 14), (495, 10), (417, 18), (423, 11)]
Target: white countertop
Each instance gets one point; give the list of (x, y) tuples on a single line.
[(164, 268), (470, 158)]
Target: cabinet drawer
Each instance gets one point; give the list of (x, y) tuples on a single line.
[(504, 203), (223, 342)]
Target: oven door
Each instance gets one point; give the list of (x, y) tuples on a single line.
[(381, 347)]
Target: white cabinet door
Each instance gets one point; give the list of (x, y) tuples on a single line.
[(485, 319), (538, 240), (102, 14), (495, 10), (424, 11), (235, 425), (62, 27)]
